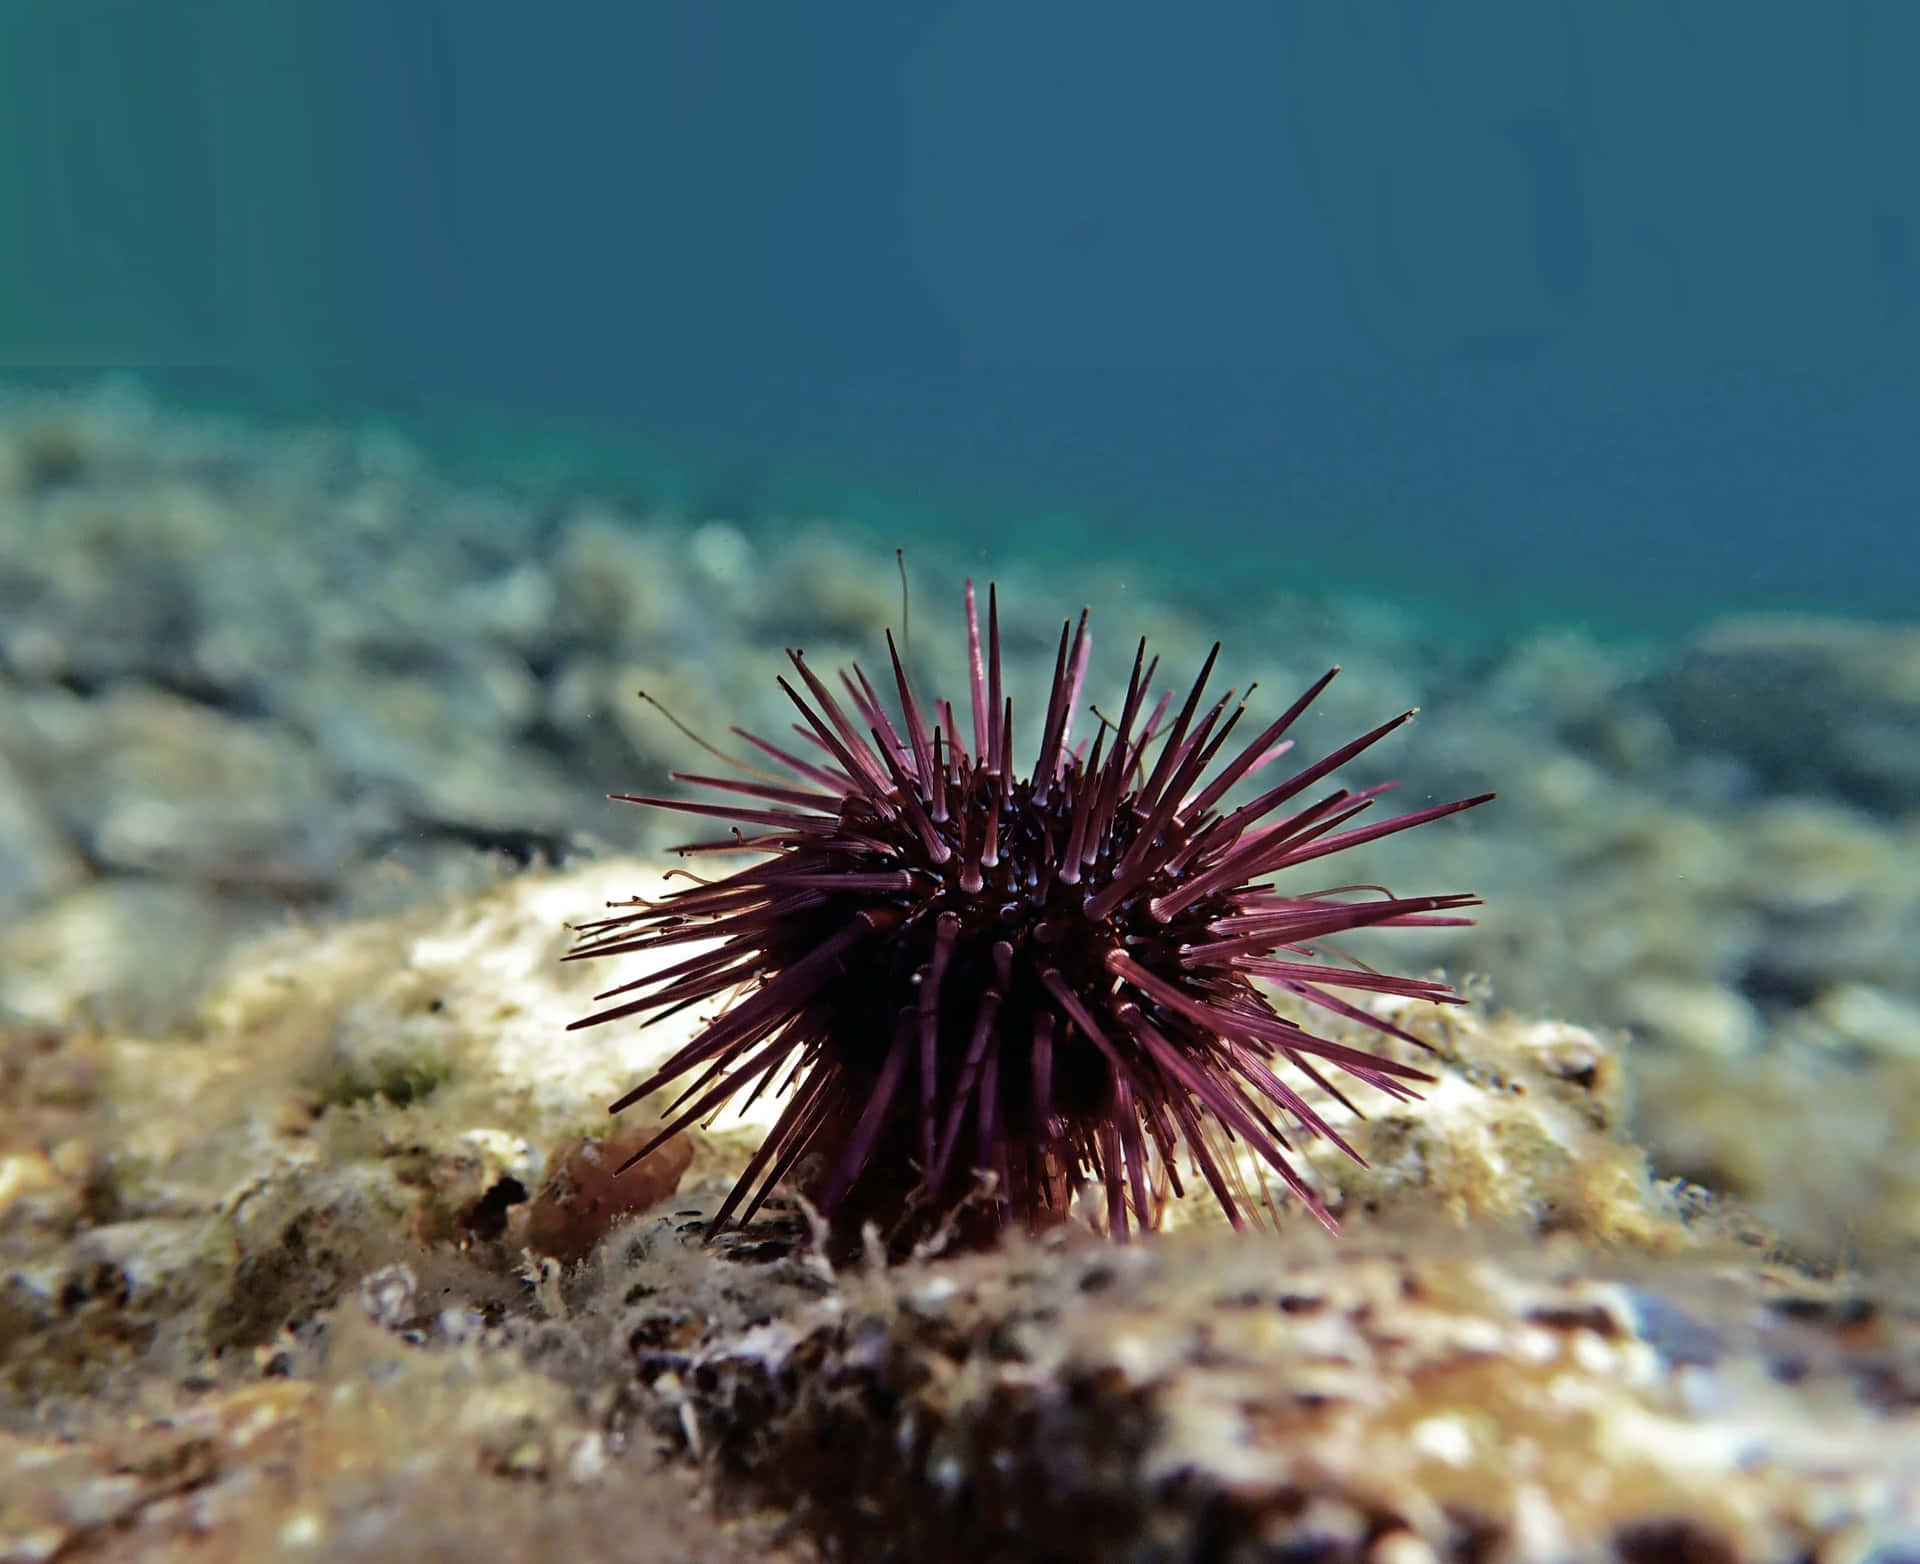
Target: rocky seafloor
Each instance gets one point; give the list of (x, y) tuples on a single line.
[(304, 750)]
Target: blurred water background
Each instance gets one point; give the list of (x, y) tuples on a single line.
[(1525, 313), (393, 386)]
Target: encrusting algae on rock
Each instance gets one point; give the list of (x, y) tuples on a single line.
[(1279, 1398), (1439, 1379)]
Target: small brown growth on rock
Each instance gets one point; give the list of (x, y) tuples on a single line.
[(583, 1198)]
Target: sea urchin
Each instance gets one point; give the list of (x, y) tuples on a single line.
[(976, 983)]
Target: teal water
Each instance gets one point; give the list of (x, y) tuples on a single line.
[(1604, 314)]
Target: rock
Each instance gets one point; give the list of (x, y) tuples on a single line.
[(615, 583), (1258, 1399), (292, 1468), (162, 785), (584, 1196), (325, 1182), (822, 585), (724, 555), (1862, 1016), (517, 606), (1705, 1016), (33, 1193), (439, 750), (1845, 1190), (36, 860), (1837, 898), (1811, 705), (127, 953), (654, 733)]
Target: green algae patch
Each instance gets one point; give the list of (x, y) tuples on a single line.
[(400, 1078)]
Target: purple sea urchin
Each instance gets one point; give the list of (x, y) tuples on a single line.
[(968, 979)]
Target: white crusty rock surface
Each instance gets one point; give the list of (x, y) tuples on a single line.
[(268, 1288)]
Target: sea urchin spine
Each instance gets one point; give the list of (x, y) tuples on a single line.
[(969, 980)]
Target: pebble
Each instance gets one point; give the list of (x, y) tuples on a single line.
[(1705, 1016), (584, 1197)]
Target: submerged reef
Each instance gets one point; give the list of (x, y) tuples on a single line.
[(276, 1283), (310, 1241)]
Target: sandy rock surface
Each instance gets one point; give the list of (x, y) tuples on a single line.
[(273, 1283)]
